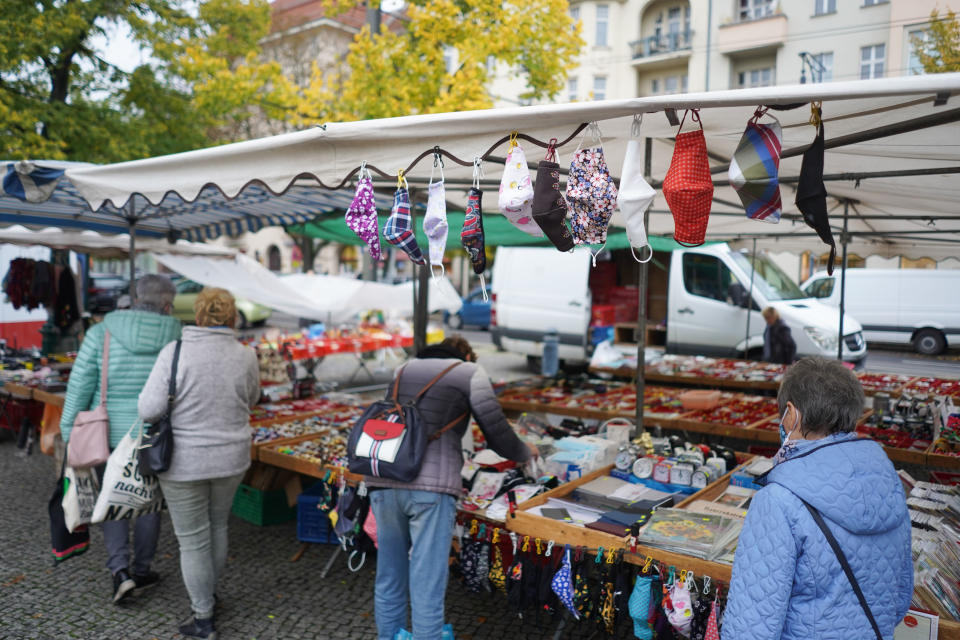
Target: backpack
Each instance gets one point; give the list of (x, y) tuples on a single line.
[(389, 440)]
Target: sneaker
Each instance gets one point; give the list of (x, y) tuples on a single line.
[(199, 628), (123, 584), (147, 580)]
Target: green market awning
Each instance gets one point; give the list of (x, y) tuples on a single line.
[(497, 231)]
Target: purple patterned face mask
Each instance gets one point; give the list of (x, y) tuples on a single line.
[(362, 215)]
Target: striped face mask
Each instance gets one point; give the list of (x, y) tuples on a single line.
[(754, 167)]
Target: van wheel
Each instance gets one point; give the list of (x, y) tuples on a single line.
[(242, 320), (929, 342), (534, 364)]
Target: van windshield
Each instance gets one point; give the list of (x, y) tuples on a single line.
[(773, 283)]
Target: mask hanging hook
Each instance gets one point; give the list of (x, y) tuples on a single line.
[(437, 162), (401, 179), (635, 125), (513, 140), (477, 171)]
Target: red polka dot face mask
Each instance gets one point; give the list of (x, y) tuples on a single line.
[(688, 187)]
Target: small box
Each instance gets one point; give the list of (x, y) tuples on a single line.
[(600, 334), (602, 315), (313, 524), (262, 507)]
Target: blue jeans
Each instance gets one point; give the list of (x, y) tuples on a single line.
[(199, 510), (414, 530)]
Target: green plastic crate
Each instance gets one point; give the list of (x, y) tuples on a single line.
[(262, 507)]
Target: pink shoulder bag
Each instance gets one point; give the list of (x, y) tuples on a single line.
[(89, 443)]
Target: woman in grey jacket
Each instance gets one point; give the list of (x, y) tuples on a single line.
[(217, 383)]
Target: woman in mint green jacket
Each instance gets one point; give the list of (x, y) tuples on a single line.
[(136, 337)]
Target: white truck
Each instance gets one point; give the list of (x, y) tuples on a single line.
[(918, 307), (700, 294)]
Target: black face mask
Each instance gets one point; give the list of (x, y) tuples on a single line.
[(812, 194), (550, 207)]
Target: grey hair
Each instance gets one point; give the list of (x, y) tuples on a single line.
[(828, 396), (155, 293)]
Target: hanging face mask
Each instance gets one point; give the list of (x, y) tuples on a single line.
[(472, 235), (688, 187), (516, 191), (811, 192), (636, 195), (549, 206), (435, 221), (362, 215), (754, 167), (562, 584), (681, 616), (591, 192), (398, 229)]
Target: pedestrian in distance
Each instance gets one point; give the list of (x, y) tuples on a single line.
[(778, 344), (217, 383), (832, 504), (136, 337), (415, 520)]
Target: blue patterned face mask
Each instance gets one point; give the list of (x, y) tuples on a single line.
[(783, 431)]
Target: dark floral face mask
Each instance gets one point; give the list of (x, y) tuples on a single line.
[(591, 193), (549, 206)]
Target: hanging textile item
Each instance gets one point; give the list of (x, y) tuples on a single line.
[(591, 192), (362, 215), (641, 607), (688, 187), (701, 612), (472, 235), (435, 221), (26, 181), (65, 311), (811, 192), (681, 615), (713, 631), (562, 583), (754, 166), (636, 195), (516, 191), (398, 229), (549, 206), (497, 577)]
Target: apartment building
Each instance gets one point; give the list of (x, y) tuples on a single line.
[(651, 47)]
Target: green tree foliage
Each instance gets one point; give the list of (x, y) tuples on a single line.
[(939, 52), (200, 82), (398, 73)]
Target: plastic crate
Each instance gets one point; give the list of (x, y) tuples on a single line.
[(262, 507), (313, 525), (600, 334), (602, 315)]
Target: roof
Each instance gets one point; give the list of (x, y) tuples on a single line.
[(289, 14), (904, 124)]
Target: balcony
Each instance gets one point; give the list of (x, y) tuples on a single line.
[(752, 36), (661, 49)]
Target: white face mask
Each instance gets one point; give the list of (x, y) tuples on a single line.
[(435, 224), (516, 193), (634, 199)]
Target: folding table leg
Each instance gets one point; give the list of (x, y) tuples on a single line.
[(333, 556)]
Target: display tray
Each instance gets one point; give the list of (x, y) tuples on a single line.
[(55, 398), (19, 391), (528, 524), (269, 455)]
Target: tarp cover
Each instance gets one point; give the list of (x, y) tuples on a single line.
[(332, 152), (328, 299), (112, 246)]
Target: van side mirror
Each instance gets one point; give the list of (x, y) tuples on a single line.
[(737, 295)]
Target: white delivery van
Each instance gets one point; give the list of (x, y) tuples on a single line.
[(700, 294), (919, 307)]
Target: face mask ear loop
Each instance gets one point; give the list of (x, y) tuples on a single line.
[(437, 162), (594, 255), (443, 271), (594, 128), (551, 155), (363, 167), (483, 288), (649, 257)]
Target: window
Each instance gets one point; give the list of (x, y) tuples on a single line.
[(871, 61), (873, 3), (753, 9), (671, 84), (770, 280), (571, 89), (922, 37), (599, 88), (655, 86), (822, 7), (821, 288), (707, 276), (822, 67), (683, 84), (603, 19), (755, 78), (575, 16), (450, 59)]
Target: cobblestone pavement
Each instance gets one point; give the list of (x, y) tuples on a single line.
[(264, 594)]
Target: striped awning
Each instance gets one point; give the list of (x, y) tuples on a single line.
[(208, 216)]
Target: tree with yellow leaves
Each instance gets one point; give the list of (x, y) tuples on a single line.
[(400, 73), (939, 51)]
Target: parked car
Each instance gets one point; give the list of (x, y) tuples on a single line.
[(104, 290), (912, 307), (474, 312), (250, 313)]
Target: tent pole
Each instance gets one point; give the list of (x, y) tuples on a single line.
[(643, 275), (843, 277), (131, 222), (753, 270)]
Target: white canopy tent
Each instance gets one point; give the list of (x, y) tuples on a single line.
[(104, 246), (873, 127)]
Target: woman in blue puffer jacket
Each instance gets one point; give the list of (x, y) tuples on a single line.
[(787, 581)]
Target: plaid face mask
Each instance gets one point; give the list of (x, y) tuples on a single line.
[(362, 215), (398, 230), (754, 167)]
